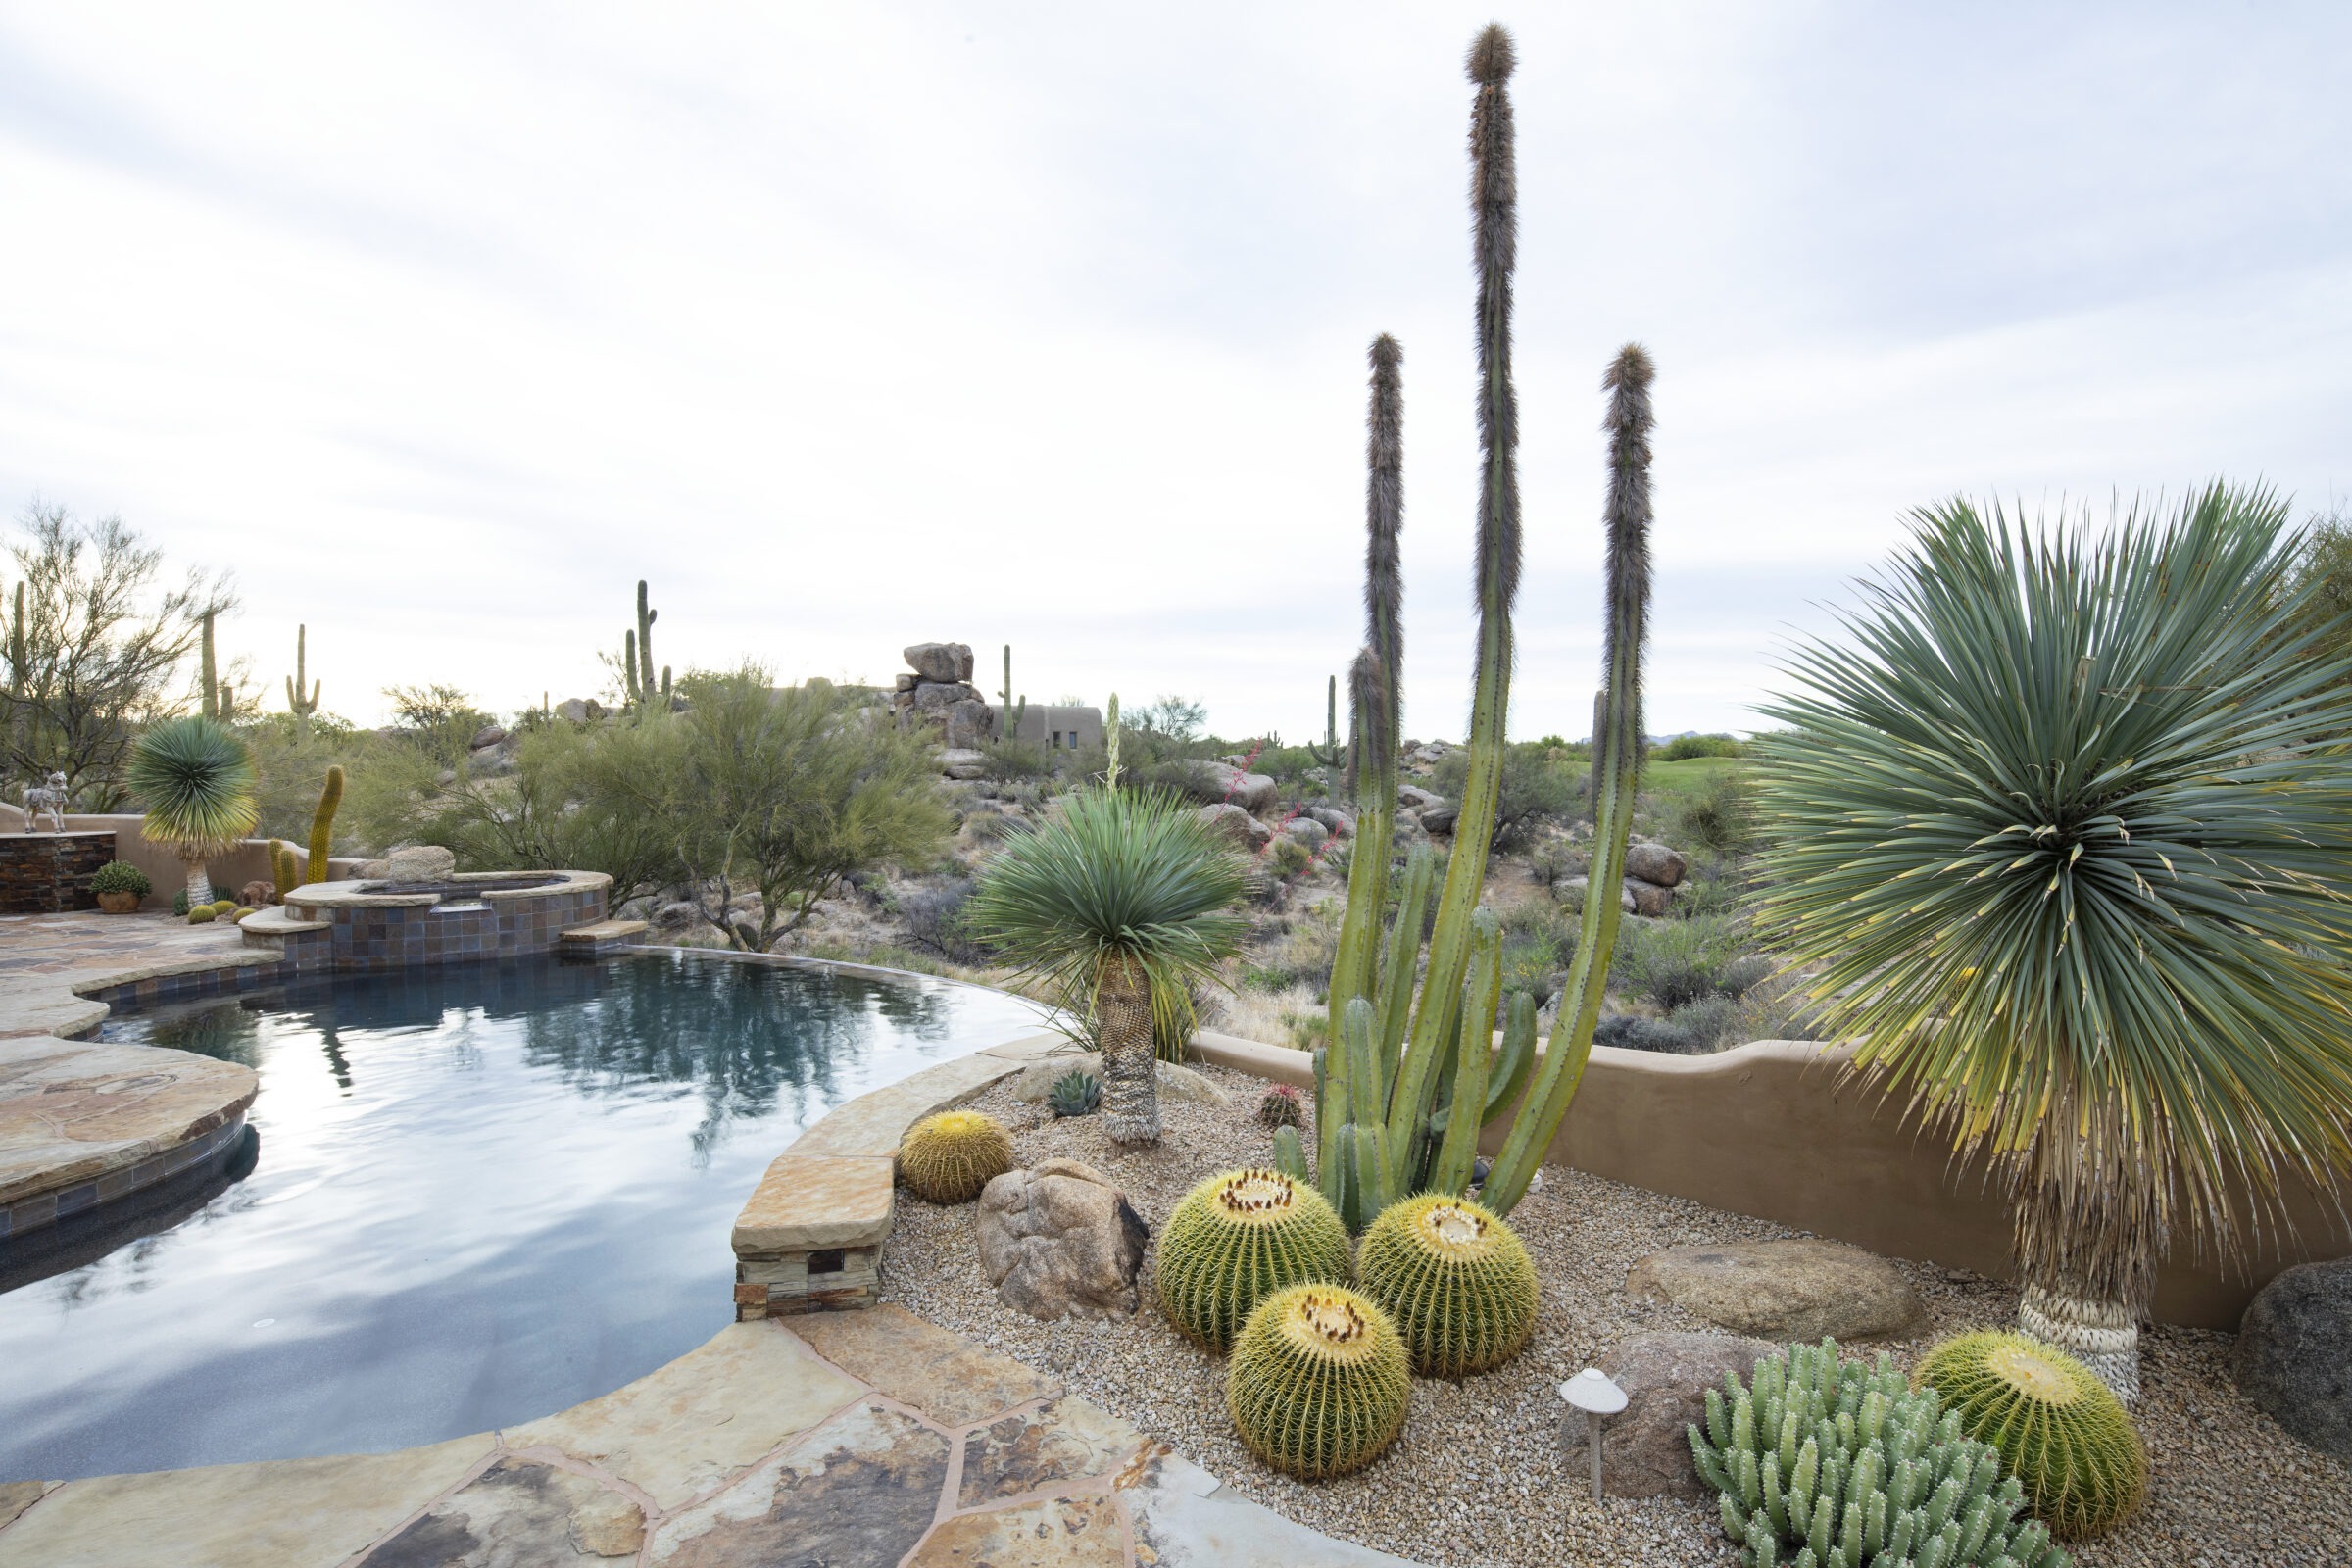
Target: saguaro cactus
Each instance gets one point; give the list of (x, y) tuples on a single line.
[(301, 705), (210, 695), (645, 617), (1328, 753), (1013, 715), (322, 825)]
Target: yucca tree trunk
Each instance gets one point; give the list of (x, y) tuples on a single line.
[(1495, 208), (2089, 1228), (200, 881), (1123, 1026)]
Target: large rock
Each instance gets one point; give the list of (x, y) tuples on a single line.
[(933, 697), (2294, 1353), (1246, 831), (1439, 817), (968, 724), (1307, 831), (1341, 825), (1794, 1290), (1573, 890), (961, 761), (1036, 1081), (1643, 1451), (420, 863), (948, 662), (1061, 1241), (1648, 898), (1222, 782), (1655, 863), (1413, 798)]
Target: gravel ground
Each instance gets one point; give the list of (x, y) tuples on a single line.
[(1477, 1476)]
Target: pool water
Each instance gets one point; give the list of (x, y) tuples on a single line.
[(480, 1194)]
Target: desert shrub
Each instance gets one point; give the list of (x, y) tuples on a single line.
[(1554, 863), (1632, 1032), (1708, 1022), (1299, 954), (1686, 748), (1535, 789), (933, 917), (985, 824), (1285, 857), (1721, 815), (1775, 1008), (1678, 961), (1012, 759)]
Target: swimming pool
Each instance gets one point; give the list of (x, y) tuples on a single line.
[(478, 1193)]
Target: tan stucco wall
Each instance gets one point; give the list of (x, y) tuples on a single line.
[(249, 862), (1768, 1129)]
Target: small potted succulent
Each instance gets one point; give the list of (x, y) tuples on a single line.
[(119, 886)]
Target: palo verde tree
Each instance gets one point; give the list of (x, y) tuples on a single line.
[(2060, 827)]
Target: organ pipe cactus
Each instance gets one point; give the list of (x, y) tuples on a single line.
[(1823, 1462), (322, 825), (1234, 1239)]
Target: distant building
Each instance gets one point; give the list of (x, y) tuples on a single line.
[(1055, 727)]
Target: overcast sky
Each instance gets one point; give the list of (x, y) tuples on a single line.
[(857, 325)]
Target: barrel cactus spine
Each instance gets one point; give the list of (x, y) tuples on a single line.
[(1319, 1382), (1238, 1238), (947, 1158), (1455, 1278), (2061, 1431)]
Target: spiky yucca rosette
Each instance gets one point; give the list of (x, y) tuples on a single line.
[(1319, 1381), (2058, 1429), (1455, 1278), (1238, 1238), (948, 1158)]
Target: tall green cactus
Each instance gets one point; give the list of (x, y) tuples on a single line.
[(322, 825), (1617, 753), (633, 690), (1013, 715), (645, 617), (1328, 754), (299, 703), (209, 685)]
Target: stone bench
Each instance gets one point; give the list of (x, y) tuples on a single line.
[(598, 937), (810, 1237)]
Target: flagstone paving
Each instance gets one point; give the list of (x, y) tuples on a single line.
[(43, 957), (853, 1440)]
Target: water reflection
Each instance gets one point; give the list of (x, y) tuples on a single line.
[(483, 1194)]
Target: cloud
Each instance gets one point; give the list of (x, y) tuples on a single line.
[(853, 327)]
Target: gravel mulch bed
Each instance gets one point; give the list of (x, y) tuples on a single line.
[(1479, 1476)]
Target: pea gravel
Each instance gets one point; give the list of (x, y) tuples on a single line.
[(1479, 1476)]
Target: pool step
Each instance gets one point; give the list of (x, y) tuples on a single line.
[(602, 936)]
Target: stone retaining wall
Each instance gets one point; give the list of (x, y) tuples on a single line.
[(48, 873)]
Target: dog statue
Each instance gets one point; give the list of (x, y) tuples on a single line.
[(47, 801)]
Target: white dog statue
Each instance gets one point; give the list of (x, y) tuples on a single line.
[(47, 801)]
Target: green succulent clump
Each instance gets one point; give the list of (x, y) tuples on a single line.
[(202, 914), (1319, 1381), (1826, 1463), (1237, 1239), (1456, 1280), (121, 876), (2057, 1428), (948, 1158), (1076, 1092)]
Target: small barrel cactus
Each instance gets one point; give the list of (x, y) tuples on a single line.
[(948, 1158), (1319, 1381), (1076, 1092), (1234, 1239), (1456, 1280), (202, 914), (1280, 1107), (2057, 1428)]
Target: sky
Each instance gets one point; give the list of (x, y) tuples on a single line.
[(854, 326)]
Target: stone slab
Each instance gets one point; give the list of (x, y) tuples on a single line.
[(603, 931), (807, 1201), (1183, 1518), (874, 1123), (1797, 1290), (18, 1495), (1035, 1451), (519, 1513), (703, 1419), (1081, 1532), (922, 1366), (857, 1492), (76, 1110), (286, 1514)]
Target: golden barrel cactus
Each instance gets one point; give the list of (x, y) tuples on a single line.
[(1236, 1238), (2057, 1428), (948, 1158), (1455, 1278), (1319, 1381)]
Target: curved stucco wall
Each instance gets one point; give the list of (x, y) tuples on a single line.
[(1771, 1129)]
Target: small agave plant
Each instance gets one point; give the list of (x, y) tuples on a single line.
[(1076, 1092)]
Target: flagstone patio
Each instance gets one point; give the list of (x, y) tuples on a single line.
[(848, 1439)]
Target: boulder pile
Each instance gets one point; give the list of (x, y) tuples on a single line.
[(939, 693)]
